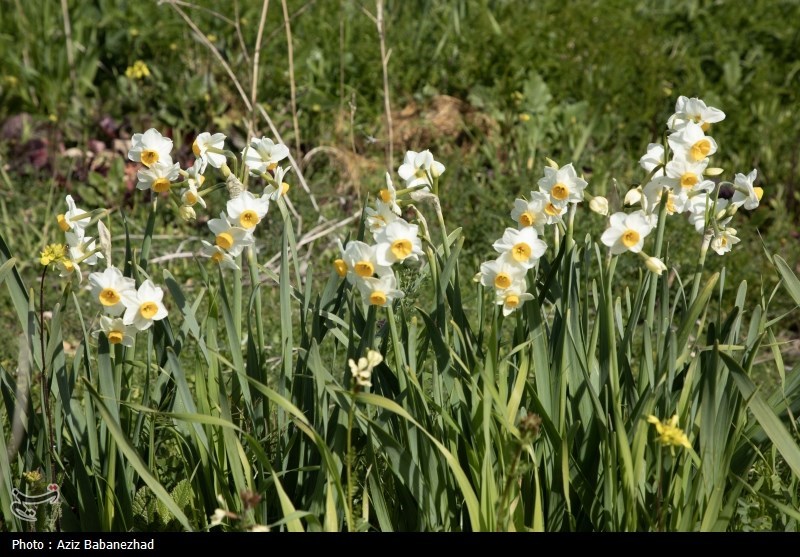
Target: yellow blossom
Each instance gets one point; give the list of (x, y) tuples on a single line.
[(669, 433), (139, 70), (53, 253)]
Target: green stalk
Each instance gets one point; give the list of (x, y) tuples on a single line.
[(255, 280), (349, 458)]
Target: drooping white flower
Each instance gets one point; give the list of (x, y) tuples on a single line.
[(626, 232), (397, 241), (150, 147), (523, 246), (653, 159), (655, 265), (208, 149), (116, 331), (143, 306), (724, 240), (218, 255), (562, 185), (746, 194), (264, 154), (273, 193), (158, 177), (362, 371), (513, 297), (190, 196), (109, 287), (75, 220), (388, 195)]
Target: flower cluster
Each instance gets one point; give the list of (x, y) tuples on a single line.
[(679, 178), (521, 248), (79, 248), (368, 267)]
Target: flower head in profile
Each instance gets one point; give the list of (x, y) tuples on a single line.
[(419, 168), (264, 154), (273, 192), (669, 434), (218, 255), (209, 150), (653, 159), (150, 147), (695, 111), (362, 370), (144, 306), (746, 194), (626, 232), (75, 220), (380, 291)]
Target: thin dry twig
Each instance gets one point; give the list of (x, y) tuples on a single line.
[(292, 87), (385, 66), (256, 57)]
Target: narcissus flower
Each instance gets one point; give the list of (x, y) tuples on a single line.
[(501, 273), (388, 195), (653, 159), (109, 287), (190, 196), (362, 371), (116, 331), (158, 177), (523, 246), (691, 143), (264, 154), (272, 192), (232, 239), (143, 306), (209, 150), (362, 262), (150, 147), (695, 111), (688, 175), (218, 255), (379, 217), (562, 185), (513, 297), (247, 210), (419, 168), (746, 194), (532, 212), (724, 240), (397, 241), (75, 220), (669, 434), (627, 232), (380, 291)]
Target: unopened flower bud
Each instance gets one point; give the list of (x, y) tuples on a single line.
[(633, 196), (187, 212), (599, 205), (655, 265)]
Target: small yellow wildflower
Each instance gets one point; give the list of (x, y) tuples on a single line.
[(33, 476), (669, 433), (53, 253), (139, 70)]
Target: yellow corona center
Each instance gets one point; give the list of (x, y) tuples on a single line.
[(115, 337), (190, 197), (149, 157), (560, 192), (225, 240), (527, 218), (160, 185), (217, 257), (705, 126), (148, 310), (377, 298), (248, 219), (512, 300), (689, 179), (401, 248), (552, 210), (364, 269), (284, 188), (69, 266), (109, 297), (62, 223), (502, 280), (671, 209), (700, 150), (386, 196), (272, 166), (759, 192), (521, 252), (341, 267), (420, 173), (630, 238), (723, 241), (196, 148)]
